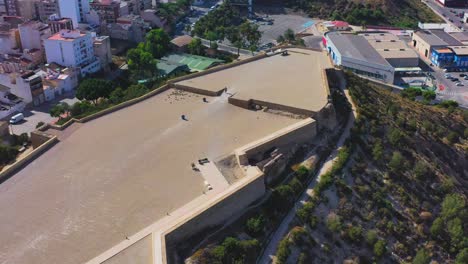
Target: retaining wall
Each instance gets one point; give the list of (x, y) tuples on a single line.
[(197, 90), (297, 133), (8, 172), (235, 199)]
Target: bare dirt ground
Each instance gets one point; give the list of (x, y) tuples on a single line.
[(111, 177)]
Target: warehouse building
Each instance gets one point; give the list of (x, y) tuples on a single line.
[(378, 55), (452, 58), (426, 40)]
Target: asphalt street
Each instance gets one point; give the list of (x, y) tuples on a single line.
[(449, 14)]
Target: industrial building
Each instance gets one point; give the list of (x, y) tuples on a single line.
[(451, 57), (424, 41), (453, 3), (378, 55)]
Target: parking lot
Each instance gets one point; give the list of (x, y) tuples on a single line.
[(280, 24), (447, 88), (34, 115)]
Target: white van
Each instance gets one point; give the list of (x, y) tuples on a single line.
[(16, 118)]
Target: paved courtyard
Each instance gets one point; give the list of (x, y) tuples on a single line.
[(281, 23)]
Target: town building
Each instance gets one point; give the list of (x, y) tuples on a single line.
[(74, 9), (57, 81), (11, 7), (453, 3), (461, 36), (180, 43), (130, 28), (9, 104), (168, 68), (424, 41), (3, 10), (46, 8), (56, 24), (107, 10), (71, 48), (335, 25), (9, 40), (152, 17), (33, 33), (25, 85), (102, 50), (26, 9)]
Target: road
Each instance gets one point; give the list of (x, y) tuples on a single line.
[(284, 227), (448, 16), (228, 48)]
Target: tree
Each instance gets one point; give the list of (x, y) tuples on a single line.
[(380, 248), (255, 225), (289, 35), (437, 227), (117, 96), (250, 34), (93, 89), (456, 232), (396, 163), (462, 257), (395, 136), (135, 91), (333, 223), (234, 36), (377, 150), (211, 36), (422, 257), (157, 43), (355, 233), (195, 46), (59, 109), (141, 64), (420, 170), (452, 205)]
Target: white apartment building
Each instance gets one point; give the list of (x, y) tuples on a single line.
[(33, 34), (74, 9), (71, 48)]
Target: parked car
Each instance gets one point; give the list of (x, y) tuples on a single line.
[(462, 75), (16, 118), (466, 77), (459, 84), (455, 80), (447, 76)]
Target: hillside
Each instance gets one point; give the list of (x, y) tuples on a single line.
[(397, 192), (399, 13)]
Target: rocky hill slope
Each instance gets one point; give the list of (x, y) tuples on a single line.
[(400, 13)]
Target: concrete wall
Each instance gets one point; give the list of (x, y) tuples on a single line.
[(298, 133), (197, 90), (229, 204), (19, 164)]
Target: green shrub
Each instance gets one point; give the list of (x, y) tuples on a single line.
[(422, 257), (255, 225), (283, 251), (380, 248), (7, 154), (39, 124)]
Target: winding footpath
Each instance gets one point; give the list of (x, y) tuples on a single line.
[(280, 233)]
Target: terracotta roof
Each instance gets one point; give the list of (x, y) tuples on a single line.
[(340, 23), (181, 40)]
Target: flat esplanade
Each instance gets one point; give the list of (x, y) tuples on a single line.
[(294, 80), (117, 174)]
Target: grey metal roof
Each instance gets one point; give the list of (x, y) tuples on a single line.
[(356, 47), (438, 38)]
